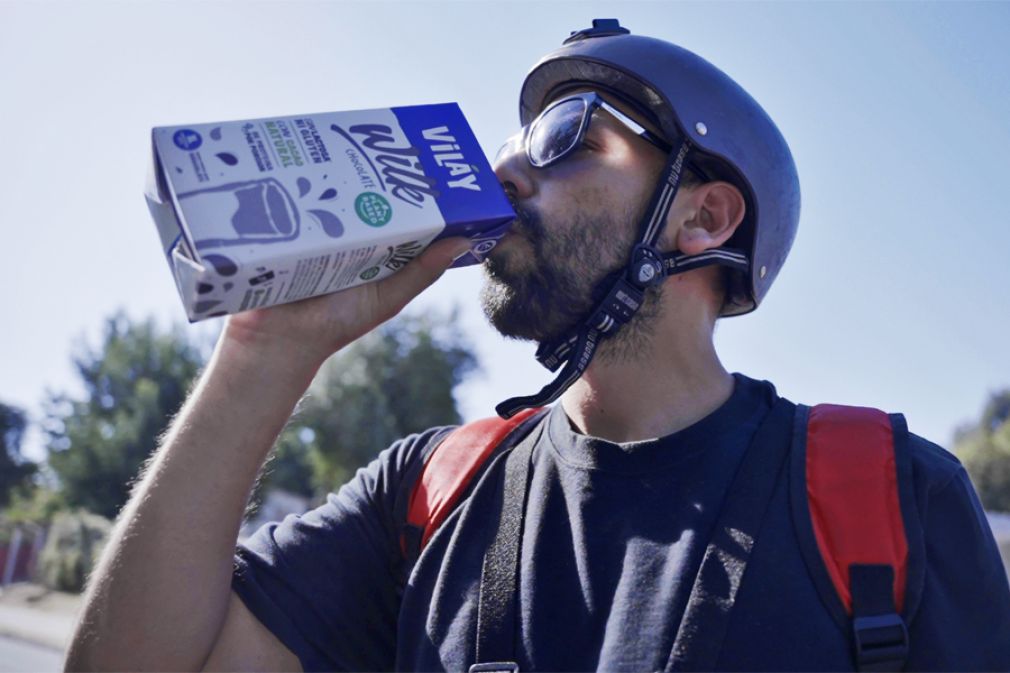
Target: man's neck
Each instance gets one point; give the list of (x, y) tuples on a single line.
[(674, 381)]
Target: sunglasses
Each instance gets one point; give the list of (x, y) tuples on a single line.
[(559, 130)]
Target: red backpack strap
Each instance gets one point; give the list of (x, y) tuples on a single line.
[(851, 500), (852, 489), (448, 471)]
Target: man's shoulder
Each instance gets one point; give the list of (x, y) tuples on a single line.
[(414, 448), (398, 465), (933, 467)]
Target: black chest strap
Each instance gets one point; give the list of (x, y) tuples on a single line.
[(497, 617), (703, 627)]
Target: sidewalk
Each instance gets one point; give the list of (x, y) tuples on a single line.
[(34, 614)]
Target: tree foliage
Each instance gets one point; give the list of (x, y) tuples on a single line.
[(73, 547), (15, 471), (35, 503), (397, 380), (137, 378), (984, 448)]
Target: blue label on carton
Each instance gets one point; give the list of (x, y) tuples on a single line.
[(464, 186)]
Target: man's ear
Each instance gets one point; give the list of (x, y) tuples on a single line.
[(718, 209)]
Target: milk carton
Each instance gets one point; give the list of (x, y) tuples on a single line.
[(268, 211)]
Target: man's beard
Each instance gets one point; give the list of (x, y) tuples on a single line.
[(542, 290)]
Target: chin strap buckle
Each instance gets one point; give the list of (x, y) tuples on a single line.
[(628, 291), (620, 304), (647, 268), (553, 354)]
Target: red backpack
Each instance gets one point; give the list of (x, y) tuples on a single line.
[(856, 523)]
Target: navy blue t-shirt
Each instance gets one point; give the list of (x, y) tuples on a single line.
[(613, 538)]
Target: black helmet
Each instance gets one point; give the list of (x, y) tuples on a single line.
[(732, 137)]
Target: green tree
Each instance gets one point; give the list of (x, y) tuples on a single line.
[(288, 468), (984, 448), (133, 383), (397, 380), (72, 549), (34, 504), (15, 472)]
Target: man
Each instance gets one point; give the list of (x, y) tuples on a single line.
[(654, 197)]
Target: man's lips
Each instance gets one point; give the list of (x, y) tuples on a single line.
[(508, 239), (516, 228), (520, 224), (519, 229), (512, 230), (513, 235)]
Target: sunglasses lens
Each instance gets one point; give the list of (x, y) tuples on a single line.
[(556, 131)]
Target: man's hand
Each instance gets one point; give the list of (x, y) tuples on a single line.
[(315, 328)]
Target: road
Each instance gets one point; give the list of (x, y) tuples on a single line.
[(17, 656)]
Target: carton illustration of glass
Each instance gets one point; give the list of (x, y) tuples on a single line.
[(266, 211)]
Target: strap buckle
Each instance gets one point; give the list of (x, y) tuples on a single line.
[(880, 639), (646, 268), (553, 355), (496, 667), (620, 304)]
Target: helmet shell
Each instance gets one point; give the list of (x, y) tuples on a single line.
[(734, 138)]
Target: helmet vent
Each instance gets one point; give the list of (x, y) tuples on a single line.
[(601, 28)]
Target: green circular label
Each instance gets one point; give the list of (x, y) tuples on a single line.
[(373, 209), (369, 274)]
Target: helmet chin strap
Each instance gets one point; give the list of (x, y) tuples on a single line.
[(646, 267)]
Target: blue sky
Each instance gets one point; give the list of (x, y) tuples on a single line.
[(896, 292)]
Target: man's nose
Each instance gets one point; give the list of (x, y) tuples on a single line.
[(514, 170)]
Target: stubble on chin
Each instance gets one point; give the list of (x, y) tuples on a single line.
[(540, 284), (514, 297)]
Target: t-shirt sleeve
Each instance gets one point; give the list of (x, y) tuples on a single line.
[(963, 622), (327, 583)]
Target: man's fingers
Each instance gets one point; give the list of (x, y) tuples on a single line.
[(394, 292)]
